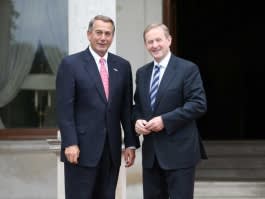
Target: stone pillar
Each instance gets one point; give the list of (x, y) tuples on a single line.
[(122, 184), (54, 145), (79, 14)]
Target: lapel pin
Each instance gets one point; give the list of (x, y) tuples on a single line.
[(115, 69)]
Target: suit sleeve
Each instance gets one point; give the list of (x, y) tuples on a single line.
[(130, 137), (65, 97), (136, 110), (194, 105)]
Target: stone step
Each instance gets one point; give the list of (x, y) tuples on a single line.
[(214, 190), (235, 148), (233, 160), (225, 190), (234, 170)]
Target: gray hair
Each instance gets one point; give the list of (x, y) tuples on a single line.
[(101, 18), (156, 25)]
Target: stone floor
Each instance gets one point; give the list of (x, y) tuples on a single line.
[(235, 170)]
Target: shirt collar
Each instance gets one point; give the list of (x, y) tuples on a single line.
[(96, 56), (164, 62)]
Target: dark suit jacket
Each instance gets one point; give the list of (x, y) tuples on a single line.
[(180, 101), (85, 117)]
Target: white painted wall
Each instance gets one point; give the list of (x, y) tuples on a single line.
[(132, 18)]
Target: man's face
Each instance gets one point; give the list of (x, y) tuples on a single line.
[(157, 43), (101, 37)]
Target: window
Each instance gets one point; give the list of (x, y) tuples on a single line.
[(33, 40)]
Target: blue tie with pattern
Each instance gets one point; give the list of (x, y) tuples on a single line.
[(154, 85)]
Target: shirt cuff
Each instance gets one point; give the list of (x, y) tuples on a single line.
[(131, 147)]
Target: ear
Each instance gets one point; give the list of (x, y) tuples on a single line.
[(88, 35), (169, 38)]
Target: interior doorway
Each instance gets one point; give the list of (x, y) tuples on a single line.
[(226, 41)]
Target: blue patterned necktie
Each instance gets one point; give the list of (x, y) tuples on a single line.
[(154, 85)]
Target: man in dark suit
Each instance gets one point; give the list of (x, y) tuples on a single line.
[(94, 98), (169, 97)]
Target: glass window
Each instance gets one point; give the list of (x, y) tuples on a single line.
[(33, 40)]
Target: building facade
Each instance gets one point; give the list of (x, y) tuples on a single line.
[(35, 35), (225, 40)]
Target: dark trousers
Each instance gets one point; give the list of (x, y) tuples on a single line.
[(164, 184), (92, 182)]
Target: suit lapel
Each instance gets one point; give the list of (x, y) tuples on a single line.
[(112, 69), (114, 72), (146, 85), (92, 69)]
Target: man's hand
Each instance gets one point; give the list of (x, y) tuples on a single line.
[(129, 156), (72, 154), (156, 124), (140, 127)]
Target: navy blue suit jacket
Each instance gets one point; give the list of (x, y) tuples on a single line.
[(180, 101), (85, 116)]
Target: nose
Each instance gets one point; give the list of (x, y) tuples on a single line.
[(103, 37), (155, 44)]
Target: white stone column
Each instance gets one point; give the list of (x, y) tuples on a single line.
[(122, 184), (60, 169), (79, 14), (54, 145)]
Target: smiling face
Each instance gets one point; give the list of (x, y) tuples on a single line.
[(157, 42), (101, 36)]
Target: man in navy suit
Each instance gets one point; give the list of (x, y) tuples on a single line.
[(169, 97), (91, 111)]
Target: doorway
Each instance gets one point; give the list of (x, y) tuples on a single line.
[(226, 42)]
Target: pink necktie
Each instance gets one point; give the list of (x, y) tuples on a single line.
[(104, 76)]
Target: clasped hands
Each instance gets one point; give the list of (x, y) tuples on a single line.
[(143, 127)]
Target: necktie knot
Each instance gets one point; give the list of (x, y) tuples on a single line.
[(102, 61), (157, 67)]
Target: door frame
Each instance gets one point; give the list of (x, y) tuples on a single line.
[(170, 20)]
